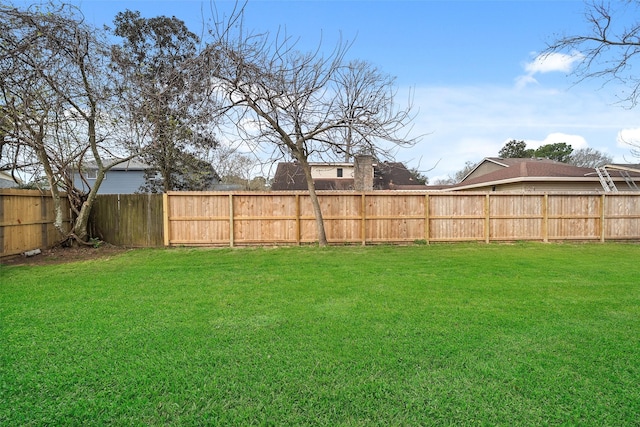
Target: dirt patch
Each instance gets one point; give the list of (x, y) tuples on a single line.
[(61, 255)]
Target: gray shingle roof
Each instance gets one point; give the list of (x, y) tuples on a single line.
[(514, 168)]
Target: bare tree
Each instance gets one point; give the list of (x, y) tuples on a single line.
[(610, 49), (459, 175), (236, 168), (364, 94), (54, 96), (589, 158), (294, 103)]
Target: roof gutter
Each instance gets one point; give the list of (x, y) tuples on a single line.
[(530, 179)]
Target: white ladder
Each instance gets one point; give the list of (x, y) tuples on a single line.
[(630, 182), (606, 181)]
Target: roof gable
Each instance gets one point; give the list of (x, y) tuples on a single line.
[(492, 164), (289, 176), (128, 165), (523, 169)]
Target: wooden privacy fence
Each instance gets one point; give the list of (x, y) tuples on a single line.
[(26, 220), (133, 220), (260, 218), (214, 218)]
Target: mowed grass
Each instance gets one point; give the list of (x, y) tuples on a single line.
[(469, 334)]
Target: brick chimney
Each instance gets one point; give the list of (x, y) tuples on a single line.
[(363, 173)]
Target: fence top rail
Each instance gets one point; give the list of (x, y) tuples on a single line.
[(38, 193), (399, 192), (23, 192)]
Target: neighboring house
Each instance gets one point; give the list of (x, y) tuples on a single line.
[(363, 175), (533, 174), (7, 181), (125, 178)]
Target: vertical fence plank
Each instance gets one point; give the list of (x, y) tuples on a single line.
[(297, 225), (231, 222), (545, 218), (427, 219), (165, 218), (363, 215), (4, 250), (602, 217), (487, 219)]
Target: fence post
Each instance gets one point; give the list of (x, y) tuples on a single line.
[(43, 215), (363, 228), (487, 219), (231, 229), (297, 208), (427, 229), (545, 218), (603, 200), (165, 218)]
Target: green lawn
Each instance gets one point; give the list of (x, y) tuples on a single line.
[(469, 334)]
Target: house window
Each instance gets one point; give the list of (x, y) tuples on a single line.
[(92, 173), (339, 172)]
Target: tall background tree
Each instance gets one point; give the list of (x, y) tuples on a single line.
[(515, 149), (561, 152), (168, 100), (558, 151), (589, 158), (293, 104)]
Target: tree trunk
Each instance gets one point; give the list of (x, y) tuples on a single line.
[(81, 224), (322, 236), (58, 222)]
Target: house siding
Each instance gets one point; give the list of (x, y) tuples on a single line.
[(331, 172), (115, 182)]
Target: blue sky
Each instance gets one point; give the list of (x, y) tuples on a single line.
[(471, 66)]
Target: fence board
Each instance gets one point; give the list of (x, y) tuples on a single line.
[(26, 221), (574, 217), (389, 218), (516, 217), (133, 220), (622, 213), (457, 217)]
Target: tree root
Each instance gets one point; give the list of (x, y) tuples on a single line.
[(72, 239)]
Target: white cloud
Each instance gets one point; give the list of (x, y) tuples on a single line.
[(575, 141), (553, 62), (547, 63), (628, 136), (523, 81)]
